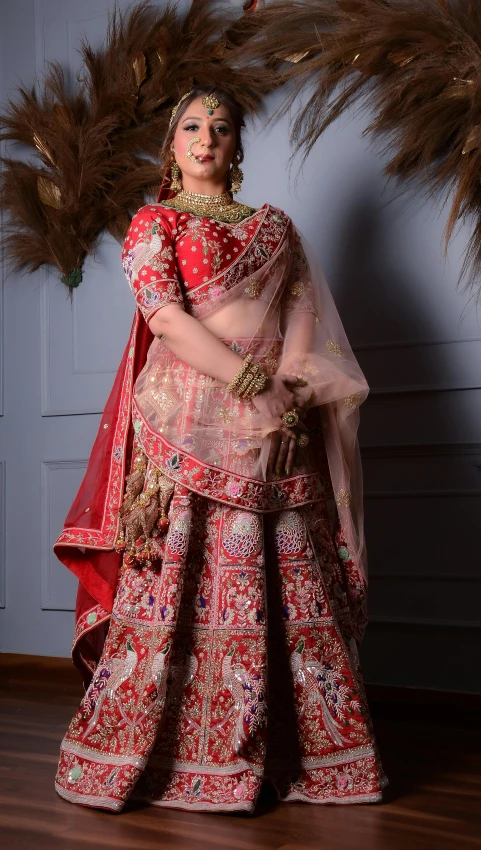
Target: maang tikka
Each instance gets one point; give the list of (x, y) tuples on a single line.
[(210, 102), (236, 175)]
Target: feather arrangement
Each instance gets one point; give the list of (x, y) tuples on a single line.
[(415, 63), (97, 146)]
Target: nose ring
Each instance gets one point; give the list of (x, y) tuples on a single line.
[(191, 155)]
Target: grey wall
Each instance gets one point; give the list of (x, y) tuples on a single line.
[(417, 338)]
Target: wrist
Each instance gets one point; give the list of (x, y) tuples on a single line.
[(248, 381)]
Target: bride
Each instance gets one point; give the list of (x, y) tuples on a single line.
[(218, 532)]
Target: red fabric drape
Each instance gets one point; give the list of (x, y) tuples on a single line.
[(86, 543)]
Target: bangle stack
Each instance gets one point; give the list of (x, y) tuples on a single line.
[(248, 381)]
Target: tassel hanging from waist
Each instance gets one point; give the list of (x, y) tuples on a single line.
[(143, 517)]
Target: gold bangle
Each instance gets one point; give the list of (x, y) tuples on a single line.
[(256, 386), (233, 385), (247, 380), (254, 373)]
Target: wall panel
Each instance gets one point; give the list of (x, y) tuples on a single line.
[(60, 482), (3, 537)]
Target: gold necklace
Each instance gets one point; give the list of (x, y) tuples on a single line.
[(220, 207)]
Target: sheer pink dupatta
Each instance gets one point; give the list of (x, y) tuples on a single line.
[(298, 332), (316, 348)]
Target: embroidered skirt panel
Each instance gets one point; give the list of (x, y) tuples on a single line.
[(228, 661)]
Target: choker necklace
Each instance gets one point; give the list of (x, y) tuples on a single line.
[(220, 207)]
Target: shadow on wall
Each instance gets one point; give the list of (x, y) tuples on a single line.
[(418, 489)]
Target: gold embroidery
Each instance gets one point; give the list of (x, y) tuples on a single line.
[(343, 498), (334, 348), (297, 288), (254, 288), (271, 363), (353, 400), (224, 414)]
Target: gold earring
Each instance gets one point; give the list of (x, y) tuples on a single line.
[(236, 176), (175, 183)]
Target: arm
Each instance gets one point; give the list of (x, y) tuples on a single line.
[(193, 343), (197, 346)]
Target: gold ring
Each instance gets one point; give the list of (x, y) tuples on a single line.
[(302, 441), (290, 418)]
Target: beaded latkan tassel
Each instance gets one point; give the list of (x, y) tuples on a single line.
[(143, 513)]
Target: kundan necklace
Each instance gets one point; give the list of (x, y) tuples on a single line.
[(221, 207)]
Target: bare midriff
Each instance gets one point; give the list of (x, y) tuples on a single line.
[(242, 318)]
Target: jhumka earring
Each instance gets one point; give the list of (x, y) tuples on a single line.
[(175, 184), (236, 175)]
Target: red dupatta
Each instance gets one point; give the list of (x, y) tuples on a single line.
[(86, 544)]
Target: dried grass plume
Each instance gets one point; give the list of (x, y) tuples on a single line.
[(416, 64), (97, 146)]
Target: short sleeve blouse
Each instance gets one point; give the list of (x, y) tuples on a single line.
[(149, 263)]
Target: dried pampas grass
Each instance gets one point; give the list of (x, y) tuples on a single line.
[(96, 147), (415, 63)]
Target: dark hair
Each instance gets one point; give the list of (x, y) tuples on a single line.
[(235, 109)]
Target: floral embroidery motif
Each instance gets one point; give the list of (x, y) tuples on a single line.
[(343, 498), (353, 401), (253, 290), (334, 348)]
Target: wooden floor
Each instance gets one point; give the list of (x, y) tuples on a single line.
[(430, 744)]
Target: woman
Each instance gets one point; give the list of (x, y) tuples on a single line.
[(231, 654)]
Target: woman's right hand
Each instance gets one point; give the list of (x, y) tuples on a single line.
[(277, 397)]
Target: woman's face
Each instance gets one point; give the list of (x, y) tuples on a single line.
[(214, 149)]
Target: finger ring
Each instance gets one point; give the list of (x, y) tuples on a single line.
[(283, 442), (290, 418), (302, 441)]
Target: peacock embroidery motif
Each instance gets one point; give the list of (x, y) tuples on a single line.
[(249, 692), (108, 679), (323, 686)]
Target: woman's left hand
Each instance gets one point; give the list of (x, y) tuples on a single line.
[(282, 450)]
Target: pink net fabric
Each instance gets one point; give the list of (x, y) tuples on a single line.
[(289, 323)]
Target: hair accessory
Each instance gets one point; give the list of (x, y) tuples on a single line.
[(210, 102), (176, 107), (290, 418)]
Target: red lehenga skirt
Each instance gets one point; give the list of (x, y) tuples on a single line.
[(229, 662)]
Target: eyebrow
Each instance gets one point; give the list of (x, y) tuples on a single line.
[(196, 118)]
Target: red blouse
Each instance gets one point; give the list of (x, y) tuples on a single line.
[(173, 257)]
